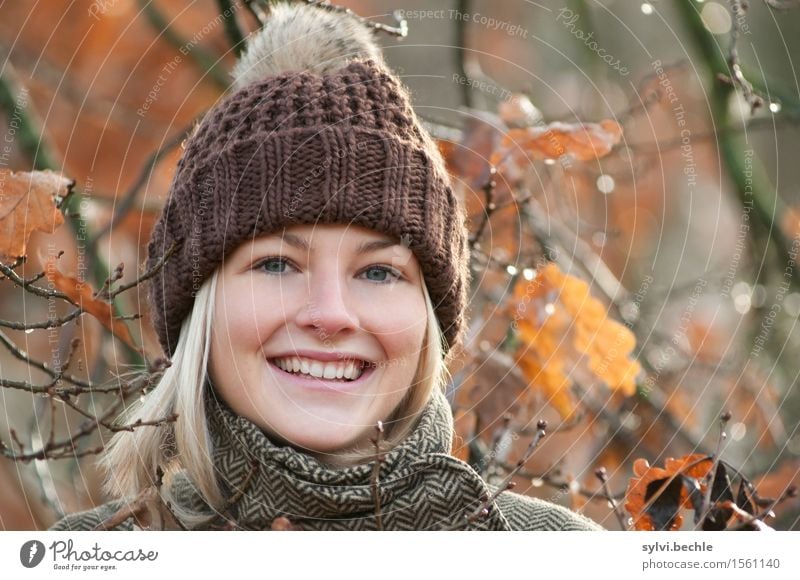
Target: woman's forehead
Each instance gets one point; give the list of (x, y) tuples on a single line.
[(309, 237)]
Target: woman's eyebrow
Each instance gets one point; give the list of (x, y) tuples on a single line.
[(367, 247), (295, 241)]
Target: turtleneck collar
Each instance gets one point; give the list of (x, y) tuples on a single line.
[(422, 487)]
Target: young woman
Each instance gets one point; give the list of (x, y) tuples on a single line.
[(318, 284)]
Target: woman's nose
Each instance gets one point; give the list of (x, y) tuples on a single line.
[(328, 308)]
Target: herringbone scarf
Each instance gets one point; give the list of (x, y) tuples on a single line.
[(421, 486)]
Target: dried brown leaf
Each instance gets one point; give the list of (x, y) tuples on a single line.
[(28, 203), (581, 141)]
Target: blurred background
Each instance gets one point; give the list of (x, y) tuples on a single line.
[(629, 169)]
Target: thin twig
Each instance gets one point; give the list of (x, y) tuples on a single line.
[(102, 292), (28, 285), (52, 323), (602, 475), (117, 428), (23, 356), (737, 77), (712, 475), (148, 274), (489, 208), (483, 510), (17, 262), (790, 492), (499, 438), (401, 28), (66, 447), (131, 509)]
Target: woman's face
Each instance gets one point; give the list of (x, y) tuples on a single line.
[(317, 333)]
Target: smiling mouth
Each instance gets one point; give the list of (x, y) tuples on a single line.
[(339, 372)]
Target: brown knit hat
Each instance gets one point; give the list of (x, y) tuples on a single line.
[(333, 140)]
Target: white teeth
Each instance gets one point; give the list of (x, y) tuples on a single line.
[(350, 370)]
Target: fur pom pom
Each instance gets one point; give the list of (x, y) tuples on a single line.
[(303, 37)]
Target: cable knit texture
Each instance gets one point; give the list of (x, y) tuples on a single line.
[(422, 487), (304, 148)]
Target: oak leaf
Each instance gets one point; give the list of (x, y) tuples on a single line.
[(29, 202), (581, 141), (656, 496), (562, 328)]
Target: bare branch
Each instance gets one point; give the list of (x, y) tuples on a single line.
[(712, 475), (52, 323), (489, 208), (23, 356), (30, 287), (602, 475), (148, 274), (401, 29), (483, 510)]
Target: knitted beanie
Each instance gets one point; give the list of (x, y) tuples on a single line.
[(316, 130)]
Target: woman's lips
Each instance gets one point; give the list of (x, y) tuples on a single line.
[(319, 384)]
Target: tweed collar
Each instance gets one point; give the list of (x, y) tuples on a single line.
[(422, 487)]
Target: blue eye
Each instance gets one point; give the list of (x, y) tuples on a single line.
[(273, 265), (383, 272)]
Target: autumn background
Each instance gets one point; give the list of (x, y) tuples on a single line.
[(629, 172)]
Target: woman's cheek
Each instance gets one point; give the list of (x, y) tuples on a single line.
[(403, 323), (250, 309)]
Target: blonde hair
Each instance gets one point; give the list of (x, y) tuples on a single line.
[(132, 458)]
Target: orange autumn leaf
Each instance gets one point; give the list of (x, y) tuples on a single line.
[(563, 328), (581, 141), (82, 294), (28, 203), (651, 484)]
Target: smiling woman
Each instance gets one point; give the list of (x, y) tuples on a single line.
[(330, 360), (309, 330)]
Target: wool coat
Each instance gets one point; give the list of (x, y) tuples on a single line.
[(421, 486)]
